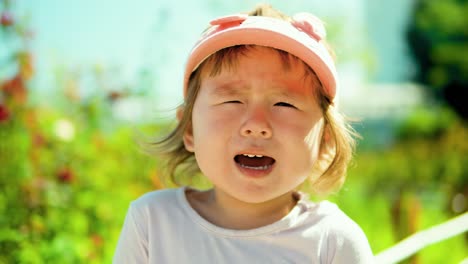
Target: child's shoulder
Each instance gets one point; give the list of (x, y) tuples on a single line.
[(332, 212), (327, 216), (335, 218), (158, 198), (157, 206), (342, 231)]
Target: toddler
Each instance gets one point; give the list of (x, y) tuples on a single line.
[(259, 120)]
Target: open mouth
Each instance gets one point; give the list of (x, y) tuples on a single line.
[(254, 162)]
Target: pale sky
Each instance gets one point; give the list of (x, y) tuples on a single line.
[(157, 35)]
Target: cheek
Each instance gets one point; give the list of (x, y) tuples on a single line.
[(299, 127), (305, 135), (209, 120)]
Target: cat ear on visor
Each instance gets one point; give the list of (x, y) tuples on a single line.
[(301, 37)]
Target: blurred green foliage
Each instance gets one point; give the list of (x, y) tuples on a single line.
[(411, 185), (69, 169), (438, 38), (63, 201)]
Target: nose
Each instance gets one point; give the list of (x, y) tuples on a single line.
[(257, 125)]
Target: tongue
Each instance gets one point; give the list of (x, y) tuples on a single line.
[(255, 161)]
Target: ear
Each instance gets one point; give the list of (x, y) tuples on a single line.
[(188, 133)]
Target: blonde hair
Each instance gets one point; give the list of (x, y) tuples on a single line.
[(338, 137)]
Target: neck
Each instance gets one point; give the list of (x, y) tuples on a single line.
[(226, 211)]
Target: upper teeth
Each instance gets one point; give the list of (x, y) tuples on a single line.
[(252, 155)]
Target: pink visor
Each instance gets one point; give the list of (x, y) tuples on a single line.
[(301, 37)]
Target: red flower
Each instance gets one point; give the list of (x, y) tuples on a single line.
[(4, 114), (15, 88), (97, 240), (6, 19), (115, 95), (65, 175), (38, 140)]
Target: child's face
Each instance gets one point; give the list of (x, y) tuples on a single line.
[(256, 108)]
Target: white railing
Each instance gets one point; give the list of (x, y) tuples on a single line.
[(421, 239)]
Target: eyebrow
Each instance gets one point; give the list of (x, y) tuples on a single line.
[(228, 88), (289, 95)]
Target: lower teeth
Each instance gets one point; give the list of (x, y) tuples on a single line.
[(255, 168)]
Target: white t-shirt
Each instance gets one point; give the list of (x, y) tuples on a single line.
[(162, 227)]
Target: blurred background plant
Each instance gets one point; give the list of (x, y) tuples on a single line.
[(67, 168), (69, 165)]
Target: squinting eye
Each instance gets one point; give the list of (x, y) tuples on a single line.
[(284, 104)]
